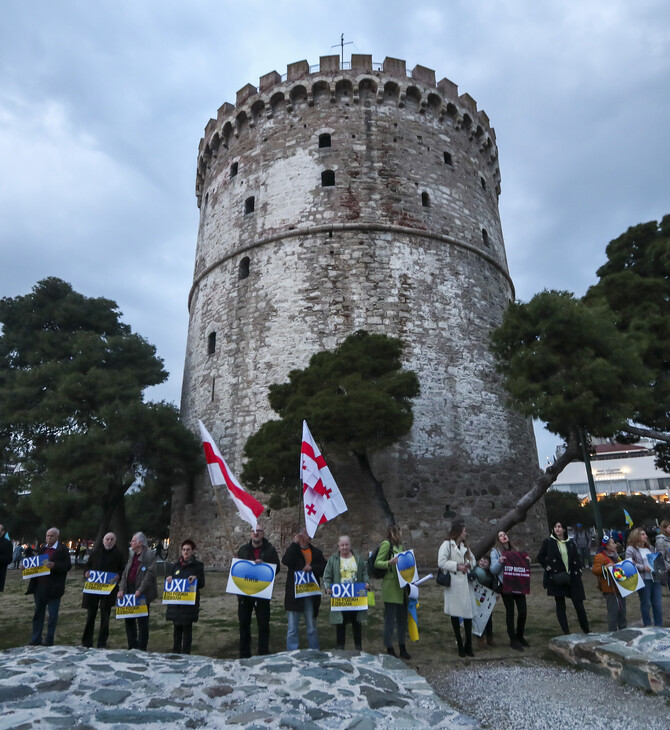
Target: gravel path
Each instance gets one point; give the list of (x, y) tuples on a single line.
[(544, 696)]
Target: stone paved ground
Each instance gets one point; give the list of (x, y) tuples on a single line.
[(74, 687)]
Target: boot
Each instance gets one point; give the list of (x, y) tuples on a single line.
[(523, 642), (490, 642), (467, 625), (481, 641), (403, 652), (390, 650), (516, 645)]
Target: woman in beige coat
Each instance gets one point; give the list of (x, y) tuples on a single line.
[(456, 558)]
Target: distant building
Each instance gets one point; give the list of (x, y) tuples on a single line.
[(617, 469)]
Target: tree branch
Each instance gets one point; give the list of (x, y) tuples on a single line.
[(378, 488), (518, 512), (647, 433)]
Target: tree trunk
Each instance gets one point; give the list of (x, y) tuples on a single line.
[(114, 520), (647, 433), (377, 487), (518, 512)]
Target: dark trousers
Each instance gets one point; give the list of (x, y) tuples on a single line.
[(395, 614), (467, 625), (182, 637), (135, 626), (245, 609), (510, 600), (349, 617), (96, 602), (42, 604), (563, 618)]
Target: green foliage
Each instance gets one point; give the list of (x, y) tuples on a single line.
[(567, 364), (72, 376), (565, 507), (357, 399), (643, 509)]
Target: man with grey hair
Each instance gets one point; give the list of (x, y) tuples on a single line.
[(47, 590), (139, 577)]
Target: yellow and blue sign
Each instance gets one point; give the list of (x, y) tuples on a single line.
[(251, 579), (407, 572), (131, 607), (348, 597), (35, 566), (179, 592), (306, 584), (100, 583), (626, 578)]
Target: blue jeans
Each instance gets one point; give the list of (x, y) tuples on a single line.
[(293, 625), (650, 597), (42, 603)]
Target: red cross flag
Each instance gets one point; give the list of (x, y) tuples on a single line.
[(321, 497), (249, 509)]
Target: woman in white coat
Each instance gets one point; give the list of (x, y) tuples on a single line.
[(456, 558)]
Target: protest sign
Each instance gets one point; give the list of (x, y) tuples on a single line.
[(130, 607), (35, 566), (348, 597), (179, 592), (516, 572), (247, 578), (407, 572), (306, 584), (100, 583), (625, 577), (483, 602)]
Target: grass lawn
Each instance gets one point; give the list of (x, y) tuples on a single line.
[(216, 634)]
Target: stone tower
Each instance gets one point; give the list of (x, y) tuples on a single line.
[(336, 199)]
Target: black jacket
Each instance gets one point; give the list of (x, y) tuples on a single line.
[(186, 614), (293, 559), (550, 559), (109, 561), (54, 583)]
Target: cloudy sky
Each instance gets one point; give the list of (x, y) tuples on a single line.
[(102, 106)]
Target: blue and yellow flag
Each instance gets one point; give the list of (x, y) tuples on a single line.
[(412, 620), (629, 519)]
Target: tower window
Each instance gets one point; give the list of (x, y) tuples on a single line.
[(233, 169), (483, 183), (324, 140), (243, 271), (485, 237), (448, 158), (328, 178), (425, 200), (211, 343), (249, 205)]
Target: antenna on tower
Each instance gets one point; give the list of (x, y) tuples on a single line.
[(342, 44)]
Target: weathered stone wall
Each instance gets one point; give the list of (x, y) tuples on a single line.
[(406, 242)]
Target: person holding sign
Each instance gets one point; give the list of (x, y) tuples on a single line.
[(662, 545), (505, 555), (258, 550), (616, 603), (395, 598), (638, 549), (455, 557), (139, 577), (183, 615), (562, 576), (302, 557), (105, 558), (345, 567), (47, 590)]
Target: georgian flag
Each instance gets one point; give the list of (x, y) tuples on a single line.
[(322, 499), (249, 509)]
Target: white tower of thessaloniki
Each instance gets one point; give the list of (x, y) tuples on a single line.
[(337, 199)]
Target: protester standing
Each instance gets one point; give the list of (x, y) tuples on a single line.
[(456, 558), (510, 596), (184, 616), (616, 603), (395, 598), (662, 546), (637, 550), (139, 577), (582, 540), (563, 576), (6, 553), (107, 558)]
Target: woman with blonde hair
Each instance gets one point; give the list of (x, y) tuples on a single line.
[(637, 550), (456, 558)]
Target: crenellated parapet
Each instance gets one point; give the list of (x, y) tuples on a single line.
[(360, 82)]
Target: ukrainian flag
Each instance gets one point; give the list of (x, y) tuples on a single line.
[(412, 620), (629, 519)]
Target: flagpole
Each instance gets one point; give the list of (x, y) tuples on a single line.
[(222, 512)]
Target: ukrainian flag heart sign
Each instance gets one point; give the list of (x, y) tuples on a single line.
[(626, 577), (251, 579), (407, 572)]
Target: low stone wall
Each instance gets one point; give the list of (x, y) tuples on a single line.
[(639, 657)]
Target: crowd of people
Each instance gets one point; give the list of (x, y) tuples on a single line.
[(562, 558)]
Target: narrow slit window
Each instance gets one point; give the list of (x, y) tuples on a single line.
[(233, 169), (244, 268), (448, 159), (324, 140), (425, 200), (483, 183), (485, 237), (211, 343), (249, 205), (328, 178)]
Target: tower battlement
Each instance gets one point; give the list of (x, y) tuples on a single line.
[(361, 82)]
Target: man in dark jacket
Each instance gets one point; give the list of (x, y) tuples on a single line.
[(303, 556), (258, 550), (106, 558), (47, 590), (6, 551)]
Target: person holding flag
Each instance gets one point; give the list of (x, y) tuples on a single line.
[(395, 598)]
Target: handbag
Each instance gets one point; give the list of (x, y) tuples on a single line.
[(560, 579), (443, 579)]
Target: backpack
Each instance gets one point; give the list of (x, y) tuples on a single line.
[(375, 572)]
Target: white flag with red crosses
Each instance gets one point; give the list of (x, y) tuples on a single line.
[(322, 499)]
